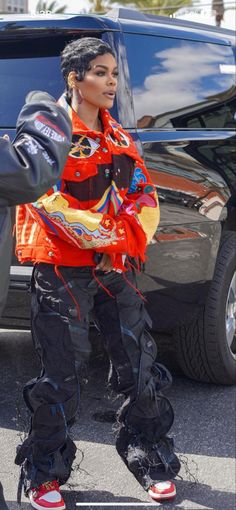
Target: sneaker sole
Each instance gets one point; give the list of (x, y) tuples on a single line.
[(159, 497), (40, 507)]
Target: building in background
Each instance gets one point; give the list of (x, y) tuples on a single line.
[(13, 6)]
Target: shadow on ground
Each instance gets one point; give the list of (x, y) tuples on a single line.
[(198, 494)]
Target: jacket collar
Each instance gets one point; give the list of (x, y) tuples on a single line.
[(110, 128)]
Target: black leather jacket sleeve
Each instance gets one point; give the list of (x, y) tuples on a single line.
[(34, 161)]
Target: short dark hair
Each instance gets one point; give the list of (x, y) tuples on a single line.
[(78, 54)]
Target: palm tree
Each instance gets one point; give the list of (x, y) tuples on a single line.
[(49, 7), (218, 9), (98, 6), (155, 6)]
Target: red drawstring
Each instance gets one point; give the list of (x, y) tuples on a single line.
[(101, 285), (132, 266), (59, 275), (135, 288)]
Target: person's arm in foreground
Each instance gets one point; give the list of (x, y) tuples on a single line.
[(34, 161)]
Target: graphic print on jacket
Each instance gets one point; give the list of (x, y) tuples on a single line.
[(105, 202)]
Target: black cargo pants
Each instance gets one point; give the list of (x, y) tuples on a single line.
[(60, 325)]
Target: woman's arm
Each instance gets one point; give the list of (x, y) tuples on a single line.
[(126, 233)]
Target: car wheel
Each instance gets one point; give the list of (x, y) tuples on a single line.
[(206, 349)]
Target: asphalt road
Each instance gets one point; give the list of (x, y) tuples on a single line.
[(204, 433)]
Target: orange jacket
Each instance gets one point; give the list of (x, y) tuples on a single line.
[(104, 202)]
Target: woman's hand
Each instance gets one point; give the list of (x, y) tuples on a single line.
[(105, 263)]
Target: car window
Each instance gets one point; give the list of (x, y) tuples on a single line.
[(180, 82), (219, 116), (26, 65), (19, 76)]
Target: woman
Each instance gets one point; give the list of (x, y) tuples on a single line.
[(85, 237)]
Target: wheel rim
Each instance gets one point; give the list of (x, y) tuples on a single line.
[(230, 317)]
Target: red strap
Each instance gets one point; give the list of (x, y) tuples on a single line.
[(59, 275)]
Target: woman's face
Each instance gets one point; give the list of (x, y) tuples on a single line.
[(99, 85)]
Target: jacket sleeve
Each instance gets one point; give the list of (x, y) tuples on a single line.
[(35, 160), (139, 213), (127, 233), (141, 201)]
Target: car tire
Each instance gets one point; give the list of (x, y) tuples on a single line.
[(206, 349)]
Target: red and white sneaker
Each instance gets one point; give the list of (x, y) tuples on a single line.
[(162, 490), (47, 495)]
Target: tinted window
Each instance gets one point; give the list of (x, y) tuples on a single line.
[(24, 66), (32, 64), (220, 116), (172, 79), (19, 76)]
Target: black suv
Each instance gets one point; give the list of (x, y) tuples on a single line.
[(177, 97)]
